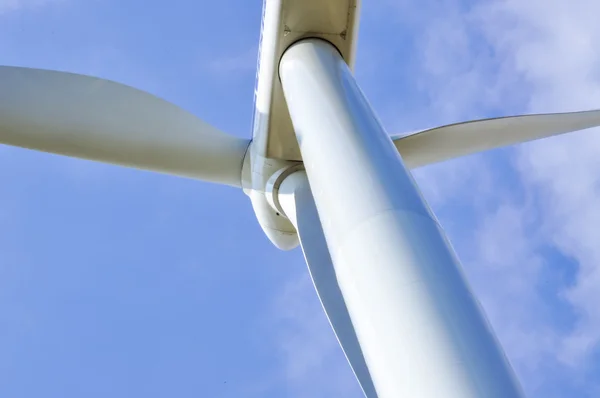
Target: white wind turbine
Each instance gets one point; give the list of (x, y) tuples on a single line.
[(321, 171)]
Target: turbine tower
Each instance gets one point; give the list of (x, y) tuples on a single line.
[(321, 172)]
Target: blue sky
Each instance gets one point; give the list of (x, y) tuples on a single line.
[(116, 282)]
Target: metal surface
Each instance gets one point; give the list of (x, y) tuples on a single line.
[(421, 331), (285, 22), (295, 198), (96, 119), (274, 145), (461, 139)]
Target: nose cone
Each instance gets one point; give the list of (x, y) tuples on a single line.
[(276, 226), (282, 240)]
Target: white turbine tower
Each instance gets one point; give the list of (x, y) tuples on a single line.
[(320, 171)]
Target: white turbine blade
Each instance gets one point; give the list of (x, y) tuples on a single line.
[(447, 142), (95, 119), (300, 207)]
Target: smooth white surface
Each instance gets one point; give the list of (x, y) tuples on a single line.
[(95, 119), (274, 144), (285, 22), (460, 139), (421, 331), (296, 199), (256, 173), (258, 168)]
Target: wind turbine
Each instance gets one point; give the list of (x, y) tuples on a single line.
[(322, 172)]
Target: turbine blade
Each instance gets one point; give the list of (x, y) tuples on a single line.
[(300, 207), (448, 142), (95, 119)]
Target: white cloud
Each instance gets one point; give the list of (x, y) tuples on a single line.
[(553, 44)]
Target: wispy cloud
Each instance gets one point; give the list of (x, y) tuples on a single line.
[(534, 211), (313, 364), (243, 61)]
